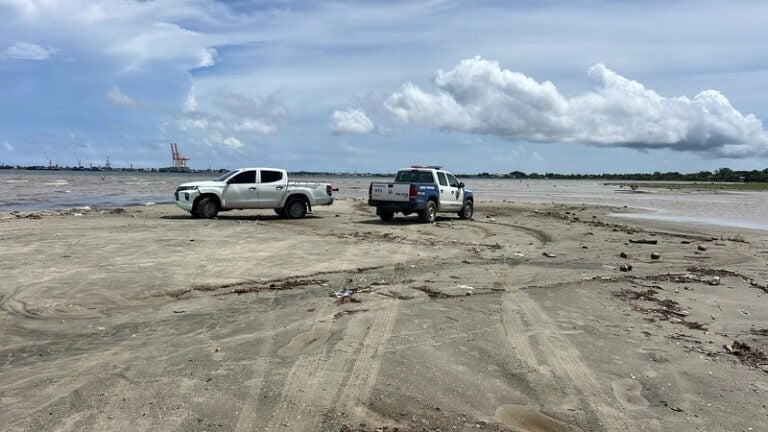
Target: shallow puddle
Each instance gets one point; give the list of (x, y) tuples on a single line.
[(526, 418)]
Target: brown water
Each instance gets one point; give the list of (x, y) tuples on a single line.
[(29, 190)]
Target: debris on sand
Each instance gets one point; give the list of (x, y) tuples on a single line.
[(338, 315), (549, 255), (344, 296), (644, 241), (295, 283), (655, 255), (278, 286), (435, 294), (77, 211), (687, 278), (667, 310), (745, 353)]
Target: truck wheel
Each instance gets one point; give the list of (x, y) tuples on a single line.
[(386, 215), (295, 208), (429, 214), (467, 210), (207, 208), (280, 212)]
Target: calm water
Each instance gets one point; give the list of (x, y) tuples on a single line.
[(33, 190)]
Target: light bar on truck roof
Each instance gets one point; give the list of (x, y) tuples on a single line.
[(427, 166)]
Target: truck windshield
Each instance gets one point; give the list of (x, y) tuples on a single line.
[(226, 176), (414, 177)]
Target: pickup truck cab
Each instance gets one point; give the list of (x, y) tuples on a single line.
[(422, 190), (253, 188)]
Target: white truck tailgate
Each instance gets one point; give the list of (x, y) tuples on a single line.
[(390, 191)]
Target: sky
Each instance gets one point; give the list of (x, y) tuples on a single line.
[(371, 86)]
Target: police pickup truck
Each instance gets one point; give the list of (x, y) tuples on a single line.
[(253, 188), (424, 190)]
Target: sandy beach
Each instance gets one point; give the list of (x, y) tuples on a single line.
[(522, 319)]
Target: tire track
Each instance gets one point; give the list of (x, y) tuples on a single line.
[(358, 388), (248, 418), (315, 384), (524, 319), (299, 409)]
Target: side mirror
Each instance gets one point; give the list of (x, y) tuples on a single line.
[(461, 185)]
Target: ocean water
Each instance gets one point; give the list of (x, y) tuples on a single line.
[(36, 190)]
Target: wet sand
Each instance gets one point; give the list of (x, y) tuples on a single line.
[(518, 320)]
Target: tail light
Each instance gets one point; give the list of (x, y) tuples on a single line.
[(412, 193), (329, 189)]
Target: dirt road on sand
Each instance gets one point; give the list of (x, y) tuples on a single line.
[(519, 320)]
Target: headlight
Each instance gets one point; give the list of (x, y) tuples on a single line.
[(183, 188)]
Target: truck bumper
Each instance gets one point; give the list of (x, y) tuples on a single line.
[(398, 206), (186, 199)]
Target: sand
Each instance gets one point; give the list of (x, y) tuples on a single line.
[(147, 319)]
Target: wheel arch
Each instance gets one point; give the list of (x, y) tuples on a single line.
[(205, 195), (300, 195)]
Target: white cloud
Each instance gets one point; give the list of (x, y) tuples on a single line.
[(7, 146), (201, 121), (351, 121), (232, 142), (117, 97), (165, 42), (27, 51), (190, 103), (234, 117), (477, 96), (252, 115), (256, 126)]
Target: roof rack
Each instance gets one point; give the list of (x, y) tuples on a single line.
[(427, 166)]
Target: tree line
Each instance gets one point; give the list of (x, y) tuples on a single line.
[(720, 175)]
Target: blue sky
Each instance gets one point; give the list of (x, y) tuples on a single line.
[(497, 86)]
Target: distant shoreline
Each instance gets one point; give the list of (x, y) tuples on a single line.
[(691, 186)]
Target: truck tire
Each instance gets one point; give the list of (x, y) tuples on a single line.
[(295, 208), (386, 215), (280, 212), (429, 214), (207, 208), (467, 210)]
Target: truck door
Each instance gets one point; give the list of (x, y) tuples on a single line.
[(456, 195), (446, 197), (272, 187), (241, 191)]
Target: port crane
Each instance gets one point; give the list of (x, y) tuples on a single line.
[(179, 160)]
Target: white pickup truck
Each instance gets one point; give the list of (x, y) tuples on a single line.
[(253, 188)]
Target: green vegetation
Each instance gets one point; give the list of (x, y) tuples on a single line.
[(737, 238), (696, 186), (721, 175)]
